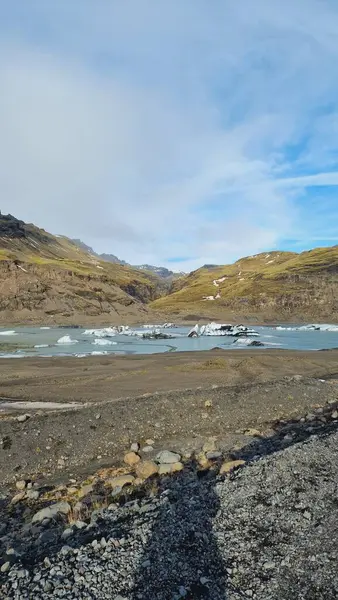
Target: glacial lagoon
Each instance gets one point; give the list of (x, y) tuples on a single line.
[(19, 342)]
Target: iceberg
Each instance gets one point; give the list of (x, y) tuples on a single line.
[(41, 346), (99, 353), (103, 342), (311, 327), (217, 329), (10, 332), (66, 339)]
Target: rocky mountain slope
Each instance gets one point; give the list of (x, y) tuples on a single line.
[(47, 278), (275, 286), (160, 271)]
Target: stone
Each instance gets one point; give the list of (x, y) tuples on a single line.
[(80, 524), (98, 416), (334, 415), (5, 567), (86, 489), (135, 447), (178, 466), (166, 457), (147, 449), (51, 512), (20, 485), (32, 494), (268, 566), (146, 469), (229, 466), (18, 497), (213, 455), (131, 459), (208, 404), (209, 445), (120, 482), (164, 469), (67, 533), (252, 432), (22, 418), (150, 442), (202, 460)]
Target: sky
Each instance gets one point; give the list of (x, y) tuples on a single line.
[(172, 132)]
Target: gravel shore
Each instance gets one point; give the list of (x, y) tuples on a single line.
[(269, 532)]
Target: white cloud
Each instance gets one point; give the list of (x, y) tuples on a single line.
[(168, 133)]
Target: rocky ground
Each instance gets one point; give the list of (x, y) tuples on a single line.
[(225, 492), (268, 530)]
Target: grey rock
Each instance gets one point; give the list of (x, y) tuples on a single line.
[(22, 418), (168, 457), (51, 512), (67, 533), (32, 494), (5, 567), (147, 449), (135, 447), (214, 455)]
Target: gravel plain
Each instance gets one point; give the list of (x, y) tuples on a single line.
[(269, 531)]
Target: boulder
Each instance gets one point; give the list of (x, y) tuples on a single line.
[(229, 466), (166, 457), (131, 459), (51, 512), (120, 481), (146, 469)]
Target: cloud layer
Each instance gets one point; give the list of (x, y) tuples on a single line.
[(172, 132)]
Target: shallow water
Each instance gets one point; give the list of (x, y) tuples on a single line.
[(28, 339)]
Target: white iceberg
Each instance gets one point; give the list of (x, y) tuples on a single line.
[(97, 353), (41, 346), (103, 342), (9, 332), (66, 339), (216, 329), (44, 327), (311, 327)]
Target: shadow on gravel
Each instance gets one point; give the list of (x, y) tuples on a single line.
[(181, 558)]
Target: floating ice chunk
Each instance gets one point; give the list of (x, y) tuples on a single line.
[(99, 353), (103, 342), (41, 346), (44, 327), (66, 339), (9, 332), (222, 329), (102, 333)]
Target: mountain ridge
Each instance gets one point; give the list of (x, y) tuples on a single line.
[(53, 279), (160, 271), (48, 278), (270, 286)]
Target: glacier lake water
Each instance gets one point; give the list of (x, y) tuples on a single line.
[(19, 342)]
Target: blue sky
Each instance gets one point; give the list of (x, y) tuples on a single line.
[(172, 132)]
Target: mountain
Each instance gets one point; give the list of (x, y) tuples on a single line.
[(160, 271), (48, 278), (267, 287)]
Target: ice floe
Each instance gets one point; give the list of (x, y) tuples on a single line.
[(103, 342), (41, 346), (244, 341), (311, 327), (221, 329), (99, 353), (66, 339), (9, 332), (44, 327)]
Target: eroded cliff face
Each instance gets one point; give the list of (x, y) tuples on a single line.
[(43, 293)]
